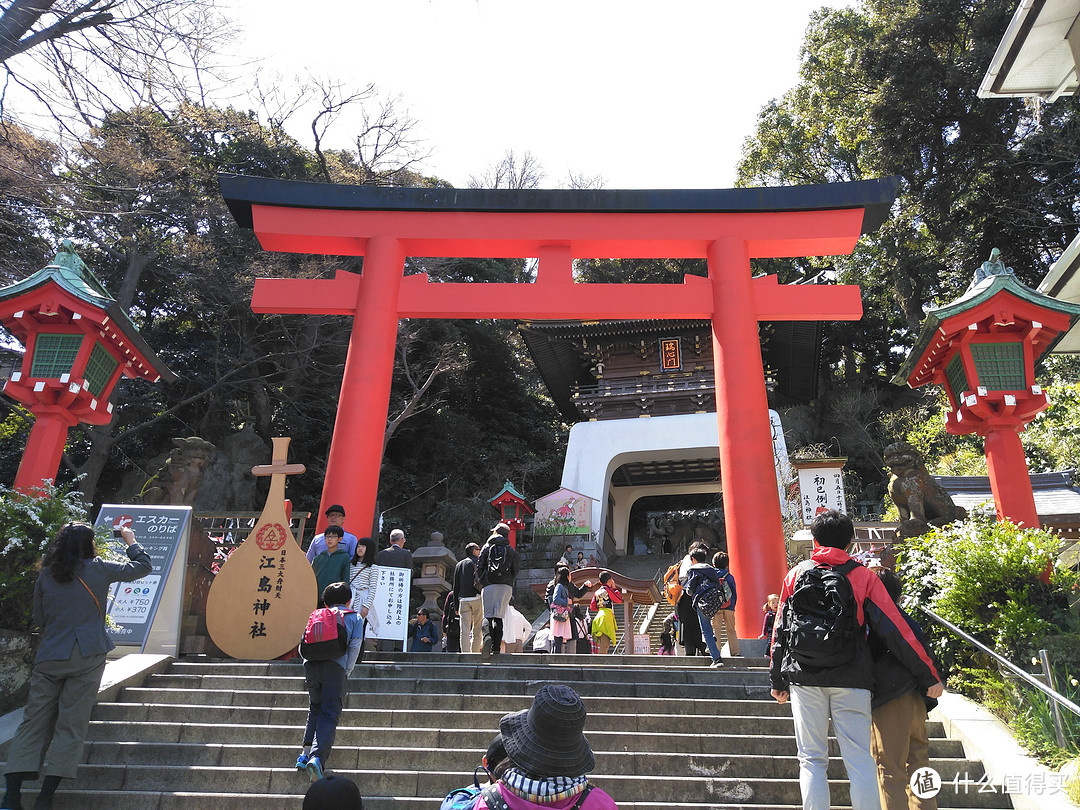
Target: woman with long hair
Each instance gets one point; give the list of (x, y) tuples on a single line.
[(69, 606), (560, 609), (363, 579)]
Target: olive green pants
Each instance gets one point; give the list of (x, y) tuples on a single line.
[(50, 737)]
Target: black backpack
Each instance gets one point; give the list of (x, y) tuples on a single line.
[(711, 593), (498, 561), (821, 622)]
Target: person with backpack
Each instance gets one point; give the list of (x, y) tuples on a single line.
[(493, 765), (496, 571), (723, 621), (689, 635), (707, 597), (329, 648), (821, 660)]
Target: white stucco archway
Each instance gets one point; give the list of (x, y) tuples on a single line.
[(596, 449)]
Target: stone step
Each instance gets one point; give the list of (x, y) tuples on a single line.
[(526, 686), (296, 698), (668, 733), (424, 783), (779, 763), (152, 713), (461, 739), (642, 669)]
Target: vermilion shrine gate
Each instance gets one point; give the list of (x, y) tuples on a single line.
[(728, 227)]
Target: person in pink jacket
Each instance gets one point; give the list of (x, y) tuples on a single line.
[(550, 755)]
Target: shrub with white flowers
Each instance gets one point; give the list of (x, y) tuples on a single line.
[(28, 523)]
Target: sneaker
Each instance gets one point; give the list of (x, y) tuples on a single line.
[(314, 768), (301, 761), (717, 664)]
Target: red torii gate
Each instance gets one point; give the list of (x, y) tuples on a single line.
[(728, 227)]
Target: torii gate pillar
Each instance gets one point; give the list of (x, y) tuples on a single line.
[(751, 498), (352, 472), (728, 227)]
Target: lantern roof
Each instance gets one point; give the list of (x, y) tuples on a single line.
[(508, 494), (90, 298), (995, 296)]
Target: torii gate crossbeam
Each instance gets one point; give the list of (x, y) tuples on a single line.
[(727, 227)]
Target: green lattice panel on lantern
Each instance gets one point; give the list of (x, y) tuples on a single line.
[(99, 369), (956, 376), (54, 355), (1000, 366)]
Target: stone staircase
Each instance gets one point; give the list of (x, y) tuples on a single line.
[(667, 732)]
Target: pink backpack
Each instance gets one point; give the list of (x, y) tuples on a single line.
[(325, 637)]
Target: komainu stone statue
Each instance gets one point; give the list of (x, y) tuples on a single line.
[(921, 501), (177, 481)]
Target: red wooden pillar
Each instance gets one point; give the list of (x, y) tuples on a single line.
[(1009, 479), (352, 468), (44, 447), (755, 531)]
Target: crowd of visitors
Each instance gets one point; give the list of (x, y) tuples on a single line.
[(841, 651)]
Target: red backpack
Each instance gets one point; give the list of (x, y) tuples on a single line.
[(325, 638)]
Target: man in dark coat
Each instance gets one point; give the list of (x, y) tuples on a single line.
[(467, 600)]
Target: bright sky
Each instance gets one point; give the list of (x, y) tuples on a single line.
[(645, 94)]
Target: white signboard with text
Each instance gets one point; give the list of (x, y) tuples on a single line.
[(821, 489), (146, 613), (391, 605)]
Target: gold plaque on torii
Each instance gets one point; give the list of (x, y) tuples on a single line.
[(261, 598)]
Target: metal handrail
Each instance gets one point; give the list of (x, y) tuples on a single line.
[(1027, 677)]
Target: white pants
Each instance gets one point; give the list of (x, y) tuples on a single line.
[(812, 706)]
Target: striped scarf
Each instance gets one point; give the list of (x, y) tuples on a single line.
[(542, 790)]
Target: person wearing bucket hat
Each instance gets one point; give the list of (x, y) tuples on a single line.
[(333, 793), (550, 755)]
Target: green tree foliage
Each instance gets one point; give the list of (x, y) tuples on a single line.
[(139, 196), (889, 88)]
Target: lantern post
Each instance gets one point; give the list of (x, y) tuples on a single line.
[(512, 510), (79, 342), (982, 348)]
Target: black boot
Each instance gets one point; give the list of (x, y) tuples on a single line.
[(13, 795), (496, 636), (48, 787), (485, 645)]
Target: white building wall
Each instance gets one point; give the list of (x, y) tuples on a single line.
[(596, 449)]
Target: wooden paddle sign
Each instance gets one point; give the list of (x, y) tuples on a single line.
[(261, 598)]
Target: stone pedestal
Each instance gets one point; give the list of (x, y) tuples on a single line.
[(433, 564)]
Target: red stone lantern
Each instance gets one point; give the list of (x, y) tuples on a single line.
[(983, 348), (513, 510), (79, 342)]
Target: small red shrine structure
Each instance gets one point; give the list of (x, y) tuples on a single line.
[(983, 348), (79, 342), (513, 510), (727, 227)]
